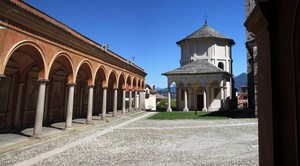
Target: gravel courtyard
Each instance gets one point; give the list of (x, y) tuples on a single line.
[(138, 141)]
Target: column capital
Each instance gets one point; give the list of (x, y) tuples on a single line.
[(71, 84), (2, 76), (90, 86), (20, 84), (43, 81)]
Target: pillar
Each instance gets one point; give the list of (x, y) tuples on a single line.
[(169, 109), (204, 96), (66, 103), (38, 124), (115, 102), (90, 105), (135, 100), (130, 101), (104, 102), (46, 102), (18, 107), (70, 107), (123, 101), (185, 109), (222, 96), (142, 97)]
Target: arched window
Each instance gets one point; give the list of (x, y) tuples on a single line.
[(221, 65)]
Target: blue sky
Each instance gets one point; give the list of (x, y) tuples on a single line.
[(149, 29)]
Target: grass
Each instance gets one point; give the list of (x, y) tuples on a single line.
[(202, 115)]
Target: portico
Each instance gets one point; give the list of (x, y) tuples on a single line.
[(199, 90), (51, 73)]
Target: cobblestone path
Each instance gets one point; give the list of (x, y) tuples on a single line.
[(135, 140)]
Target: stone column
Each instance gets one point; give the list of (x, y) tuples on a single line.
[(185, 109), (104, 102), (66, 103), (90, 105), (130, 101), (204, 96), (18, 107), (169, 109), (142, 97), (222, 96), (123, 101), (115, 102), (135, 100), (38, 124), (46, 102), (70, 107)]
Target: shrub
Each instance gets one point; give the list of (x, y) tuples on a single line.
[(162, 105)]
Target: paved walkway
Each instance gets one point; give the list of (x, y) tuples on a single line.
[(135, 140)]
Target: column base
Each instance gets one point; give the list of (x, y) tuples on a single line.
[(68, 128), (89, 123), (204, 109), (169, 110), (185, 110), (37, 136)]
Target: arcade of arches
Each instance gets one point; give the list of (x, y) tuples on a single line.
[(50, 73)]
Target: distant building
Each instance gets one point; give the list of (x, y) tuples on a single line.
[(243, 98), (204, 80), (150, 98)]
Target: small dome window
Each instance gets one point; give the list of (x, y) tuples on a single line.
[(221, 65)]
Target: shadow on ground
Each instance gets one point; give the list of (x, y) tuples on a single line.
[(232, 114)]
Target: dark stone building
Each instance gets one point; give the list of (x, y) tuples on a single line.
[(252, 76)]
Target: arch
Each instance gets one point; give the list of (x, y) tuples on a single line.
[(221, 65), (86, 68), (122, 81), (134, 83), (36, 56), (138, 84), (101, 73), (23, 66), (112, 79), (129, 82), (60, 74), (143, 84), (65, 62)]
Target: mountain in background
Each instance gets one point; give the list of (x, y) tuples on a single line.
[(173, 89), (240, 80)]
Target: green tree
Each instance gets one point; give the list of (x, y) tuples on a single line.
[(162, 105)]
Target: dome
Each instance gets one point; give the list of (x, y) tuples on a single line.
[(206, 32)]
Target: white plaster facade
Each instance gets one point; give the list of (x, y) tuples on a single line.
[(150, 99)]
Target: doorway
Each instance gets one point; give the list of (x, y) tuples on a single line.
[(199, 102)]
